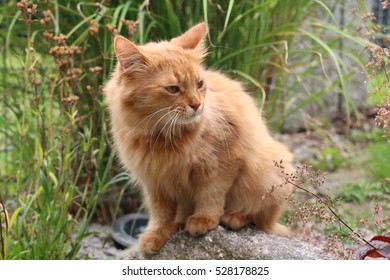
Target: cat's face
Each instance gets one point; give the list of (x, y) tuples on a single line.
[(162, 83), (173, 86)]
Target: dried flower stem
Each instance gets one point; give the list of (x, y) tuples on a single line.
[(324, 202), (373, 38)]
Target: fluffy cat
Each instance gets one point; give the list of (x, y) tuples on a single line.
[(194, 140)]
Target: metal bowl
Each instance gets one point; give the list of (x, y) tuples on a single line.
[(126, 229)]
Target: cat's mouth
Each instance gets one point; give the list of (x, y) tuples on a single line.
[(191, 116)]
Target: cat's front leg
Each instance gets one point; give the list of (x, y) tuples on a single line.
[(208, 211), (200, 224), (161, 224)]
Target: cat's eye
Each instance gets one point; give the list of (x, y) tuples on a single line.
[(200, 84), (172, 89)]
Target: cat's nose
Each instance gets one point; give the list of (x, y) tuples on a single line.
[(195, 106)]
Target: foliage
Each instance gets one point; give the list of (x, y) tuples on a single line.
[(329, 158), (380, 160), (377, 68), (282, 53), (367, 133), (362, 191), (312, 209), (56, 160)]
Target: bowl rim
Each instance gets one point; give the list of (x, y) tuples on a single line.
[(118, 232)]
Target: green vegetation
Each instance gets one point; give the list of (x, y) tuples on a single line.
[(380, 160), (362, 191), (56, 159), (329, 158)]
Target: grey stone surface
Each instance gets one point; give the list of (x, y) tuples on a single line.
[(220, 244)]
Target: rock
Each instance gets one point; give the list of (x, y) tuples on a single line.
[(220, 244), (98, 245)]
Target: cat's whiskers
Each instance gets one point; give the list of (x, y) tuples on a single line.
[(220, 122), (159, 133), (178, 123), (174, 129), (168, 135), (151, 132), (170, 132), (224, 121), (149, 117), (224, 140), (165, 138), (169, 113)]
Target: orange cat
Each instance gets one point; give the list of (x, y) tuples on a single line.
[(194, 140)]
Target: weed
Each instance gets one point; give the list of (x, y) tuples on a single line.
[(312, 210), (329, 158), (367, 133), (362, 191), (380, 160), (58, 156)]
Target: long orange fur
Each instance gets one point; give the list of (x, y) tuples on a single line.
[(194, 140)]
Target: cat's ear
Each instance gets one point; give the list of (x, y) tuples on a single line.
[(131, 57), (192, 38)]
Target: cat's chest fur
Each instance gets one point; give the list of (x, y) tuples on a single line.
[(180, 162), (184, 163)]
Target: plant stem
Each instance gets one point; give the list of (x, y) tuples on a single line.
[(332, 211)]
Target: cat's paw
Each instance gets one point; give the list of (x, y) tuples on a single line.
[(199, 225), (151, 242), (179, 226), (280, 230), (234, 221), (277, 229)]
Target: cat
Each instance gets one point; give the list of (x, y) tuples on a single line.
[(194, 140)]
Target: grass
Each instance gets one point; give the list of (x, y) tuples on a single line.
[(56, 158), (365, 202), (380, 160), (57, 165), (329, 158), (339, 223), (362, 191), (366, 207)]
